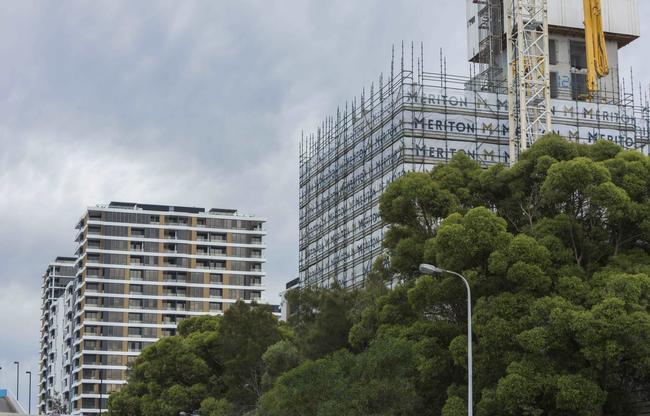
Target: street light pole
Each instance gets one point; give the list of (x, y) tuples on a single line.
[(29, 392), (432, 270), (17, 380)]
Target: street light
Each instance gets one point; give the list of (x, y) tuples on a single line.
[(17, 379), (29, 392), (433, 270)]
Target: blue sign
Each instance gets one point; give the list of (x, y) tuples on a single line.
[(3, 394)]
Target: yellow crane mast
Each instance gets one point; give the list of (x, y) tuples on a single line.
[(597, 61)]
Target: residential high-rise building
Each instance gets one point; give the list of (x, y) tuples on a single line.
[(56, 307), (413, 120), (139, 270)]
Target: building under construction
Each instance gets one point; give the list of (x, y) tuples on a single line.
[(533, 74)]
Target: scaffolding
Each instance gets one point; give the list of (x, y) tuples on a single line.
[(490, 32), (414, 120)]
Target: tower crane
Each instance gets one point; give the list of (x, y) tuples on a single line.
[(529, 95)]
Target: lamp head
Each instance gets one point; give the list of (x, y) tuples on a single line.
[(430, 269)]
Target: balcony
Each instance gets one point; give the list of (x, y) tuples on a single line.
[(175, 294), (171, 280)]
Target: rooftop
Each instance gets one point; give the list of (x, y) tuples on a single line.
[(191, 211), (65, 259), (155, 207)]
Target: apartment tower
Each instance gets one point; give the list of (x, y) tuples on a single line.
[(56, 311), (139, 270)]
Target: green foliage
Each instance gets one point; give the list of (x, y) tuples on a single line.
[(556, 250), (278, 359), (216, 407), (557, 253), (198, 324), (378, 381), (214, 364), (321, 320)]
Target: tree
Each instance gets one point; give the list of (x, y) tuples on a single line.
[(57, 406), (214, 366), (321, 319), (557, 252), (561, 310), (379, 381)]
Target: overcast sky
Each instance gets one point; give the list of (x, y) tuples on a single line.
[(198, 103)]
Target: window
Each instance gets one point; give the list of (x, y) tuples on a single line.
[(135, 346), (554, 85), (579, 86), (150, 290), (149, 332), (578, 54), (135, 332), (135, 317), (95, 215), (168, 332), (92, 316), (552, 52), (151, 275)]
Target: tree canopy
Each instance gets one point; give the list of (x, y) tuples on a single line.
[(214, 366), (557, 253)]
